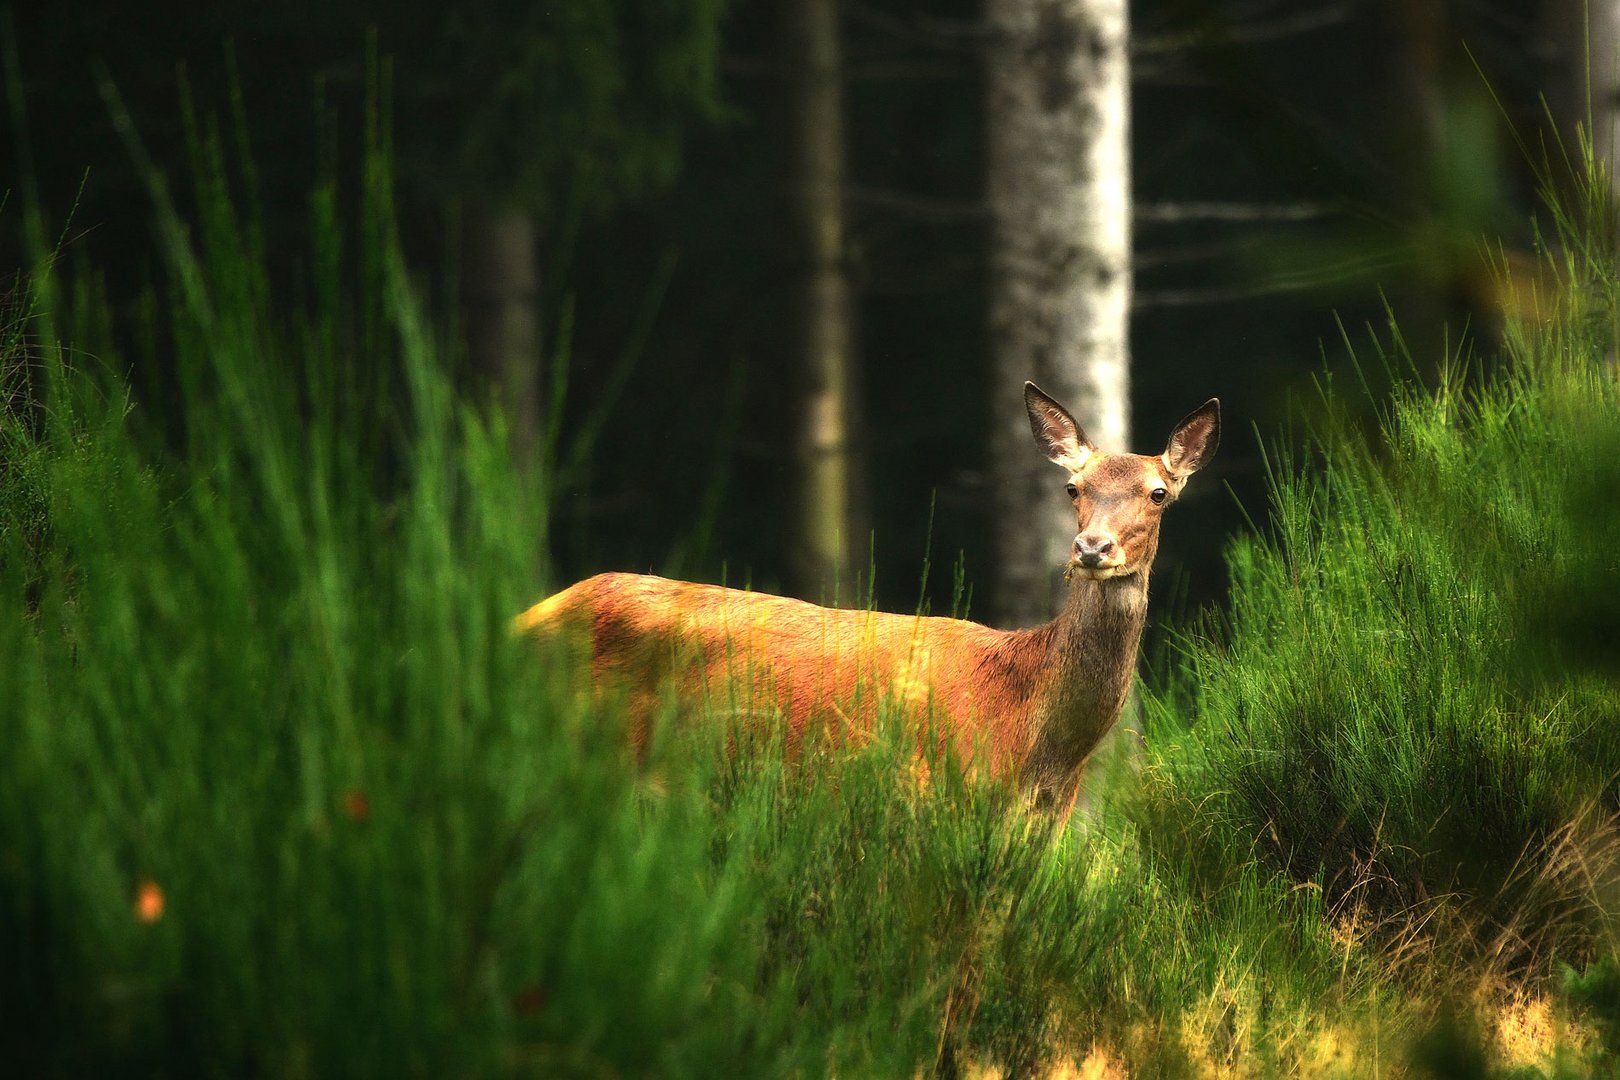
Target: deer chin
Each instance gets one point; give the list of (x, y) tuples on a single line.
[(1076, 572)]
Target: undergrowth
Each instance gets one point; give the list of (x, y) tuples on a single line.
[(281, 794), (1412, 702)]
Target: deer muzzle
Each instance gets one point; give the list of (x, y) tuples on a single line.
[(1097, 552), (1097, 556)]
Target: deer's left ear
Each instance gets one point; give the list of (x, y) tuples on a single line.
[(1194, 440), (1056, 432)]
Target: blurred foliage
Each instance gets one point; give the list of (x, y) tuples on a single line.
[(534, 105), (1598, 989), (540, 106)]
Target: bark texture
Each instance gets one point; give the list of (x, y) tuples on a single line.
[(829, 543), (1059, 193), (501, 306)]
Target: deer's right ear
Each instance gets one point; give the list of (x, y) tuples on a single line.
[(1056, 433), (1194, 440)]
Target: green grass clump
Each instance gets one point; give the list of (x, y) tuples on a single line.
[(1412, 700)]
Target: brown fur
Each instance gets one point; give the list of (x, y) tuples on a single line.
[(1035, 701)]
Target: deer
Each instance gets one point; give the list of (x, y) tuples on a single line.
[(1031, 703)]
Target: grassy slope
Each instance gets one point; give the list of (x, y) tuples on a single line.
[(259, 667), (1400, 704), (1412, 704)]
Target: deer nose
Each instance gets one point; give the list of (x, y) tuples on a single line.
[(1093, 550)]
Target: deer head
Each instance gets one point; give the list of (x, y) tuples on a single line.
[(1119, 499)]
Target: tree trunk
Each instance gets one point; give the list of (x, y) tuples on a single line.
[(1059, 194), (1603, 85), (1417, 128), (828, 547), (501, 307)]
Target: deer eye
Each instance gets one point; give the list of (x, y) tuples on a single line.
[(1158, 495), (1073, 491)]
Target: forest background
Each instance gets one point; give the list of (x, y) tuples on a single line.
[(611, 187), (281, 793)]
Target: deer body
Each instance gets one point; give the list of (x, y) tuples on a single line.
[(1035, 701)]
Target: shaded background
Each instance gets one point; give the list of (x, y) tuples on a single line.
[(1297, 167)]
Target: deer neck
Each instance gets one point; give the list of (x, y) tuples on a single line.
[(1094, 642), (1091, 662)]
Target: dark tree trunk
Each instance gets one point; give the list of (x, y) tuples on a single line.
[(501, 307), (1587, 36), (829, 540), (1418, 128)]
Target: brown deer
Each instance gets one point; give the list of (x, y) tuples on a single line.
[(1036, 701)]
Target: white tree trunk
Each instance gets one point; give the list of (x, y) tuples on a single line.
[(1059, 194)]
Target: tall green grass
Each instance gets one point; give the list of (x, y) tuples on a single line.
[(1412, 701), (281, 794)]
